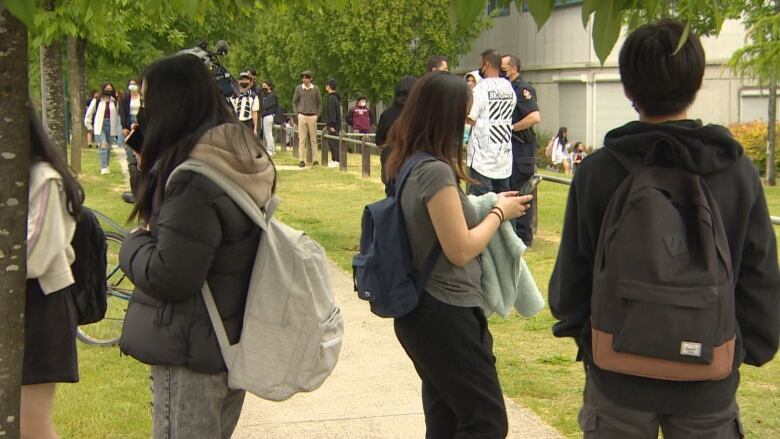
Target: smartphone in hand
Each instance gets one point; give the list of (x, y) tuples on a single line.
[(530, 186), (135, 140)]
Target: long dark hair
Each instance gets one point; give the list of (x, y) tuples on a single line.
[(402, 90), (42, 150), (562, 132), (181, 103), (432, 121)]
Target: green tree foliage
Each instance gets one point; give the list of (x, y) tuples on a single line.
[(760, 59), (367, 45)]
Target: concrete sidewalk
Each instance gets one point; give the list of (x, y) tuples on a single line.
[(373, 393)]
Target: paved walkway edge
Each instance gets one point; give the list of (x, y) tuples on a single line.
[(374, 392)]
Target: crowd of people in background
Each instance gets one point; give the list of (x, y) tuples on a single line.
[(478, 130)]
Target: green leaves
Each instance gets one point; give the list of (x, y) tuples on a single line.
[(683, 38), (540, 10), (24, 10), (607, 22), (465, 12), (588, 7)]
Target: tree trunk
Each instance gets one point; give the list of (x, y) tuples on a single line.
[(771, 134), (14, 180), (77, 86), (53, 96)]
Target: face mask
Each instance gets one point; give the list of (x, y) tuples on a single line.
[(133, 87), (108, 92), (265, 89), (243, 84), (501, 74)]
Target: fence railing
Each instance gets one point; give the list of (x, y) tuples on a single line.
[(367, 148)]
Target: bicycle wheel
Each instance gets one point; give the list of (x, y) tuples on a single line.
[(107, 331)]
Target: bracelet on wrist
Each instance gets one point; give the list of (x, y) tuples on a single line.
[(501, 211), (498, 213), (500, 220)]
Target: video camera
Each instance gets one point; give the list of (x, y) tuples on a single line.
[(225, 81)]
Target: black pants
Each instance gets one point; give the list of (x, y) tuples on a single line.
[(132, 168), (523, 167), (333, 144), (452, 351), (486, 184)]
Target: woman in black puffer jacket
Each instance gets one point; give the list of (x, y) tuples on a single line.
[(194, 233)]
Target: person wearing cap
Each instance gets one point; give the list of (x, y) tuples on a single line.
[(307, 103), (360, 117), (246, 103)]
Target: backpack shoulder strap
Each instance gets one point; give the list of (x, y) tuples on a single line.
[(407, 167), (233, 190), (430, 261)]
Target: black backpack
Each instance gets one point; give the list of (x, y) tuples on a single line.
[(663, 285), (89, 269)]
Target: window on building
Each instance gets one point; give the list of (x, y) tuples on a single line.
[(496, 10), (556, 3)]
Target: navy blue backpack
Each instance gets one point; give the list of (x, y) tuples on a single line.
[(383, 271)]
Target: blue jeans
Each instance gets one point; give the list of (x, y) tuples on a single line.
[(104, 143), (188, 404)]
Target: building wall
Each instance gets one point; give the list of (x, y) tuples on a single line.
[(575, 90)]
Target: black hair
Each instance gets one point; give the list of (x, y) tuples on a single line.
[(491, 58), (514, 61), (432, 121), (562, 132), (434, 61), (333, 84), (106, 84), (269, 83), (659, 81), (182, 102), (42, 150), (402, 90)]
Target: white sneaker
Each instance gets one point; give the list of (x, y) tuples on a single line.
[(333, 164), (104, 171)]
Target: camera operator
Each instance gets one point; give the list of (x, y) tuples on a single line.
[(246, 103)]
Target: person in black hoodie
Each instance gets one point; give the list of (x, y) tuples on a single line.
[(193, 232), (662, 85), (388, 118), (334, 121)]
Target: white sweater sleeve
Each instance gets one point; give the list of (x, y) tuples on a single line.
[(89, 117), (50, 229)]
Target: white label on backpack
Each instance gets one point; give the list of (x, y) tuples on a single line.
[(690, 349)]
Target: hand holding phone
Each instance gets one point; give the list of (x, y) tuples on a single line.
[(530, 186)]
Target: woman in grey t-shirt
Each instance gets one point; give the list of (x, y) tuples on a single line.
[(446, 336)]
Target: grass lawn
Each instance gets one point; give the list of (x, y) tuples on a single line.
[(113, 399), (536, 369)]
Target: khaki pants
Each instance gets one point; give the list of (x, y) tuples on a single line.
[(307, 129)]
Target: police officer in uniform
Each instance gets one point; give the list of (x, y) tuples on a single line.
[(525, 116)]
